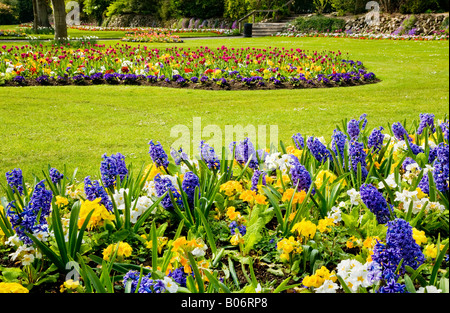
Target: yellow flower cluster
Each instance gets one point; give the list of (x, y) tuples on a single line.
[(181, 247), (98, 218), (321, 275), (12, 288), (252, 197), (61, 201), (161, 242), (288, 246), (322, 176), (235, 216), (352, 242), (124, 250), (325, 225), (298, 196), (431, 250), (419, 236), (70, 286), (152, 170), (237, 239), (231, 188), (294, 151), (305, 228)]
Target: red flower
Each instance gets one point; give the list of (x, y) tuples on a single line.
[(188, 70), (125, 69), (208, 71)]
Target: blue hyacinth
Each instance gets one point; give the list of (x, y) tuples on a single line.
[(426, 120), (178, 156), (357, 155), (94, 190), (298, 141), (318, 150), (209, 156), (375, 141), (245, 152), (14, 179), (376, 203), (190, 182), (255, 179), (299, 175), (158, 155), (111, 168), (163, 185), (400, 132), (55, 176), (338, 141)]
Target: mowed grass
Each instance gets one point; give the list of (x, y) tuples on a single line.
[(75, 126)]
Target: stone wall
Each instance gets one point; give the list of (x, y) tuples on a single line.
[(424, 24)]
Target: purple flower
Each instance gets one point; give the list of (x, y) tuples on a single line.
[(55, 176), (426, 120), (158, 155), (190, 182), (375, 141), (164, 184), (299, 175), (441, 168), (245, 151), (338, 141), (178, 156), (376, 203), (400, 132), (179, 276), (14, 179), (357, 155), (256, 177), (353, 129), (93, 191), (208, 155), (241, 228), (111, 167), (298, 141), (318, 150)]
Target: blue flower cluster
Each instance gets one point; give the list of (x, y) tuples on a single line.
[(338, 141), (55, 176), (209, 156), (375, 140), (111, 168), (32, 218), (299, 175), (441, 168), (400, 247), (190, 182), (164, 184), (178, 156), (94, 190), (241, 228), (255, 179), (158, 155), (244, 152), (400, 132), (147, 284), (14, 179), (299, 141), (357, 155), (376, 203), (179, 276), (318, 150), (426, 120)]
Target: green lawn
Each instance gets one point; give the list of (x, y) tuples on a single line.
[(77, 125)]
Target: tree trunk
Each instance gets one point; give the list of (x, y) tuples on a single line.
[(59, 13), (35, 16), (42, 10)]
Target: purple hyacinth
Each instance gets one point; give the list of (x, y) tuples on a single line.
[(158, 155), (400, 132), (407, 162), (441, 168), (298, 141), (357, 155), (93, 191), (353, 129), (299, 175), (338, 141), (164, 184), (375, 141), (55, 176), (178, 156), (445, 129), (241, 228), (32, 218), (376, 203), (146, 283), (426, 120), (190, 182), (14, 178), (318, 150), (179, 276), (209, 156), (112, 167), (255, 179), (245, 151)]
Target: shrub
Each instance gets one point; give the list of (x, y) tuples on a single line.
[(6, 15), (318, 23)]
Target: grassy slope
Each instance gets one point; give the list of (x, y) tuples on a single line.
[(76, 125)]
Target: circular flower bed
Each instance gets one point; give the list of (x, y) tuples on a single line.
[(202, 67)]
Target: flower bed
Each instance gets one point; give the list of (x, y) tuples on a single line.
[(439, 36), (151, 37), (217, 31), (367, 212), (223, 68)]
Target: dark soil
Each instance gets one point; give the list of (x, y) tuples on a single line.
[(232, 85)]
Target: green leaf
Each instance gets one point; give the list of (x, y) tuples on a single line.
[(409, 284), (344, 285), (197, 274)]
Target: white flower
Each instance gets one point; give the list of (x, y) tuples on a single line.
[(271, 161), (119, 198), (335, 214), (355, 197), (358, 277), (390, 181), (429, 289), (200, 251), (258, 288), (327, 287), (13, 241), (27, 259), (149, 187), (170, 285), (41, 236)]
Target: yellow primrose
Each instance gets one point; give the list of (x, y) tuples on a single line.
[(61, 201), (430, 251), (298, 197), (305, 228), (123, 250), (12, 288), (98, 218), (419, 236), (325, 225), (237, 239), (324, 175)]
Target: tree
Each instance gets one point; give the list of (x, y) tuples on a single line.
[(59, 13)]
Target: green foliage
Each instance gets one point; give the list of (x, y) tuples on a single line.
[(348, 6), (321, 5), (318, 24), (96, 8), (419, 6), (7, 16)]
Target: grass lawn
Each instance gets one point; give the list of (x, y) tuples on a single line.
[(77, 125)]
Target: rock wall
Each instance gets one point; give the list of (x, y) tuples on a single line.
[(423, 24)]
